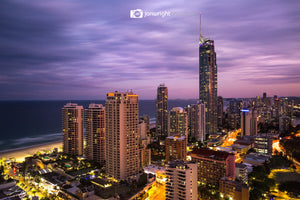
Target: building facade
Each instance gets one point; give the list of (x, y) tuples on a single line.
[(122, 136), (263, 144), (72, 115), (162, 112), (213, 165), (220, 104), (248, 122), (178, 123), (284, 123), (175, 148), (233, 190), (181, 181), (196, 121), (241, 172), (95, 132), (208, 82)]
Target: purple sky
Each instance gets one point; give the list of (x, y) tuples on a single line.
[(84, 49)]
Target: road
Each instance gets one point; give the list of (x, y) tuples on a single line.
[(231, 138), (277, 147), (157, 192)]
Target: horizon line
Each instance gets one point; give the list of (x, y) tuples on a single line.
[(139, 99)]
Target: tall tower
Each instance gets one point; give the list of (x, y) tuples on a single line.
[(72, 115), (248, 122), (122, 136), (162, 112), (196, 122), (208, 81), (95, 132), (178, 122)]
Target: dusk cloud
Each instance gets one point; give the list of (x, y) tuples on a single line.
[(84, 49)]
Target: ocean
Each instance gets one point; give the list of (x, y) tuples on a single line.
[(29, 123)]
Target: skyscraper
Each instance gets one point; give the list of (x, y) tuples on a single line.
[(208, 82), (162, 112), (95, 132), (248, 122), (196, 122), (72, 115), (178, 122), (122, 136)]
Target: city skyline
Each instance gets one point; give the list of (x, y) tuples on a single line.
[(82, 50)]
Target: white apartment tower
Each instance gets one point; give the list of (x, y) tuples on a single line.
[(122, 136), (181, 181), (248, 122)]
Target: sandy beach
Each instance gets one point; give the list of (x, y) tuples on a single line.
[(21, 153)]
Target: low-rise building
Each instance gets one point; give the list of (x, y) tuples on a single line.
[(248, 143), (233, 189), (263, 144), (241, 149), (256, 159), (9, 190), (241, 172)]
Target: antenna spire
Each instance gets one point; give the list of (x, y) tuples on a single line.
[(200, 36)]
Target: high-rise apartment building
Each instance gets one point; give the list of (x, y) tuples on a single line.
[(213, 165), (233, 121), (181, 181), (208, 82), (122, 136), (178, 123), (72, 115), (220, 111), (162, 112), (284, 123), (248, 122), (176, 148), (95, 132), (145, 153), (196, 121), (146, 119)]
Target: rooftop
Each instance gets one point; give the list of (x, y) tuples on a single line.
[(208, 153), (94, 105), (240, 165), (243, 142), (257, 157), (177, 163), (176, 137)]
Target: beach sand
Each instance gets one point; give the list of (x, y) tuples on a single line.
[(21, 153)]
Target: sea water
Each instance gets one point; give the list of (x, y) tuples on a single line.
[(29, 123)]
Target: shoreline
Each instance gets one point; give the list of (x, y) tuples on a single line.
[(20, 153)]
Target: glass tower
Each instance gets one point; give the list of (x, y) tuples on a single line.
[(208, 82), (162, 112)]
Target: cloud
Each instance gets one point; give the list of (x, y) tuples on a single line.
[(83, 49)]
